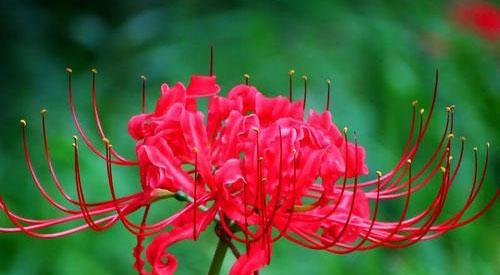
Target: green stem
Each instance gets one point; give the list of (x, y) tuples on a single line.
[(218, 259)]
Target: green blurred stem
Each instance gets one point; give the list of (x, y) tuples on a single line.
[(218, 259)]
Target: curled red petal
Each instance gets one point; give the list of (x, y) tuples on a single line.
[(201, 86), (251, 261)]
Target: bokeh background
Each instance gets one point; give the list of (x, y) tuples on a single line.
[(380, 57)]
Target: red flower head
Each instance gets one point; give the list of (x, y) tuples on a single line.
[(262, 170), (483, 18)]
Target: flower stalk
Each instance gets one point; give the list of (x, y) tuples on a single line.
[(219, 256)]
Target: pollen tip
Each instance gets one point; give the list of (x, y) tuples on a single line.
[(304, 77), (74, 145), (414, 102), (69, 70), (409, 161), (261, 158), (379, 173), (246, 76), (93, 70), (488, 144), (451, 135), (328, 81), (475, 148), (291, 72), (462, 138), (23, 122), (422, 111), (443, 169), (143, 77), (43, 111), (450, 157), (255, 129), (196, 150), (345, 130), (105, 140)]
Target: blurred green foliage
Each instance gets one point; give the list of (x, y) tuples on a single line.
[(380, 57)]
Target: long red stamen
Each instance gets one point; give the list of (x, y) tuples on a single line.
[(81, 197), (290, 82), (304, 77), (328, 84), (98, 120), (211, 60), (54, 176), (79, 128), (34, 176), (292, 199), (143, 78), (195, 195)]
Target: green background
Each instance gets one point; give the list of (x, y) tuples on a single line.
[(380, 57)]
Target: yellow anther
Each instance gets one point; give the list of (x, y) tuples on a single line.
[(75, 138), (196, 150), (143, 77), (302, 208), (450, 157), (255, 129), (379, 173), (408, 161), (304, 77), (414, 102), (105, 140), (246, 76), (93, 70), (291, 72), (158, 193), (23, 122), (463, 138), (43, 111), (345, 130), (451, 135), (475, 148), (261, 158), (74, 145), (488, 144), (69, 70), (328, 81), (443, 169), (422, 111)]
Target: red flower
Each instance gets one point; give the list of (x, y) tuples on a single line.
[(261, 170), (483, 18)]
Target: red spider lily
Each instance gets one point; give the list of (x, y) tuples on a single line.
[(483, 18), (263, 172)]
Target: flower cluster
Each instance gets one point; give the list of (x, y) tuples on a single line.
[(262, 170)]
